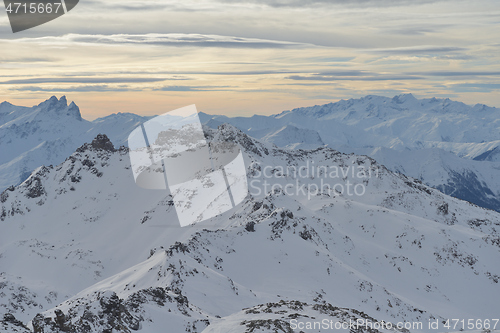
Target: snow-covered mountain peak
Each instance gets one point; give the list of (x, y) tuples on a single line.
[(53, 103), (122, 117), (404, 98), (100, 142), (42, 117), (54, 107), (3, 105)]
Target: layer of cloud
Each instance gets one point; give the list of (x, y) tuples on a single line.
[(354, 76), (171, 39), (309, 3), (26, 60), (83, 80), (89, 88), (459, 73), (475, 87), (192, 88), (419, 50)]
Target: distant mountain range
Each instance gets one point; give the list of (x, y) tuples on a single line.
[(399, 123), (446, 144), (84, 249)]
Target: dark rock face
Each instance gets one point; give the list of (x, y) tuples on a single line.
[(9, 318), (102, 142), (35, 188), (250, 227), (113, 316)]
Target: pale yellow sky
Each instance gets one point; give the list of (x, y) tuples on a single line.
[(246, 57)]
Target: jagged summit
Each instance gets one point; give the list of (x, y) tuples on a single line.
[(53, 103), (102, 142), (59, 108), (404, 98)]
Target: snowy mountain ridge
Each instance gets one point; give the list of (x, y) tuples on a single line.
[(401, 122), (388, 254)]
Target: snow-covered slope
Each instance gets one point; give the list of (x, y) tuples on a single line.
[(49, 132), (84, 235)]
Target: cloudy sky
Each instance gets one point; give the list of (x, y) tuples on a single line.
[(241, 57)]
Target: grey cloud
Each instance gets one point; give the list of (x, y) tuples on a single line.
[(82, 80), (456, 57), (170, 39), (173, 76), (192, 88), (97, 5), (333, 59), (458, 73), (475, 87), (263, 72), (308, 3), (105, 87), (415, 29), (418, 50), (317, 77), (178, 75), (326, 97), (313, 84), (382, 92), (74, 89), (353, 72), (411, 31), (26, 60)]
